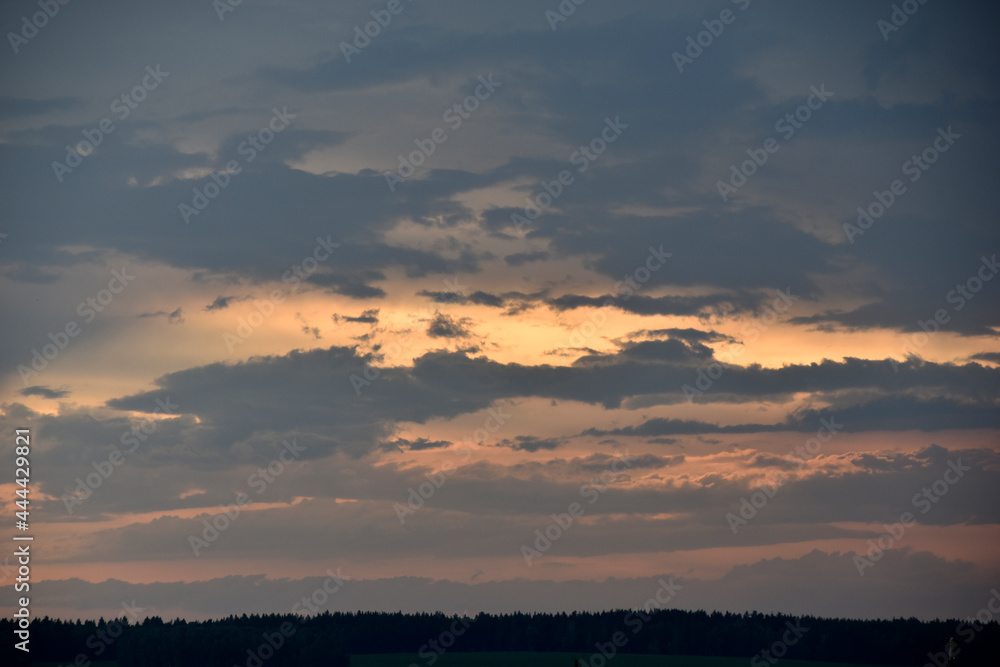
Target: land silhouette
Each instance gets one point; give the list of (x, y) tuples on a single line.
[(331, 639)]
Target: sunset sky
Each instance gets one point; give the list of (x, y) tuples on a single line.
[(502, 306)]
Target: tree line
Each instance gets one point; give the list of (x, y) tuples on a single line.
[(330, 638)]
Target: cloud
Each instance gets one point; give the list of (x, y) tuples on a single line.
[(818, 583), (478, 298), (618, 377), (443, 326), (992, 357), (652, 191), (369, 316), (291, 145), (710, 305), (531, 444), (896, 413), (44, 392), (688, 335), (222, 302), (354, 286), (418, 444), (673, 350), (244, 416), (174, 317)]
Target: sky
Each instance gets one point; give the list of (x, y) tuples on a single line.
[(480, 306)]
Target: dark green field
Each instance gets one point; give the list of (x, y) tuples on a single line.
[(563, 660), (540, 660)]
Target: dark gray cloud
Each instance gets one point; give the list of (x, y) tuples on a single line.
[(618, 377), (369, 316), (222, 302), (461, 383), (818, 583), (824, 584), (419, 444), (710, 305), (528, 443), (894, 413), (44, 392), (510, 300), (173, 317), (229, 416), (352, 285), (290, 145), (671, 350), (689, 335), (443, 326)]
